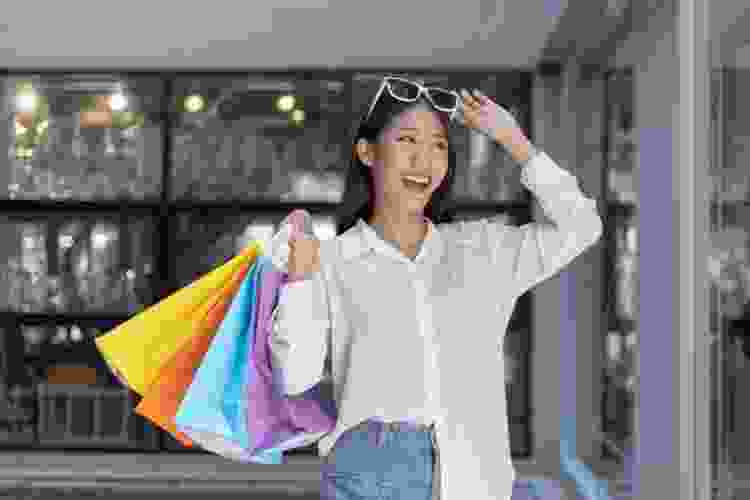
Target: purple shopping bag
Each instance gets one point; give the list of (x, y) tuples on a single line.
[(274, 420)]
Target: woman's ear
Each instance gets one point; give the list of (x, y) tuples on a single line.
[(364, 152)]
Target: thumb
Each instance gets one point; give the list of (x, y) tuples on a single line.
[(294, 231), (296, 222)]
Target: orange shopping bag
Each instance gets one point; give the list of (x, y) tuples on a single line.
[(137, 349), (163, 397)]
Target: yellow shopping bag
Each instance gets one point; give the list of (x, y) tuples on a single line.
[(137, 349), (163, 397)]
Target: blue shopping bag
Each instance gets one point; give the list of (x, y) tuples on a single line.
[(214, 411)]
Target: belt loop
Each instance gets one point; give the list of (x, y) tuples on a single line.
[(436, 465), (381, 427)]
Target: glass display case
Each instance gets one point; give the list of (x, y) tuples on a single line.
[(620, 374), (276, 139), (97, 138), (729, 272), (92, 263)]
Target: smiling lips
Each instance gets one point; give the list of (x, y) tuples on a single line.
[(416, 183)]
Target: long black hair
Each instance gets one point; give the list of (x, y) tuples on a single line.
[(359, 194)]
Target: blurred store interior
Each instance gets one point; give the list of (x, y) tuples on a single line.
[(133, 169)]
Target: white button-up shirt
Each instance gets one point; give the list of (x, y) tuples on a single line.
[(423, 338)]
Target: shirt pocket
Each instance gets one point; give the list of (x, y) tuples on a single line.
[(461, 295), (462, 273)]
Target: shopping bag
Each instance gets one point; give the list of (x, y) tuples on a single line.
[(587, 484), (212, 413), (137, 349), (275, 421), (163, 397)]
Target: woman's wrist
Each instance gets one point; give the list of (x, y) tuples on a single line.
[(518, 146), (298, 278)]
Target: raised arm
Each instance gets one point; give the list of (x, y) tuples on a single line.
[(538, 250)]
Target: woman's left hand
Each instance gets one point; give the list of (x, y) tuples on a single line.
[(482, 114)]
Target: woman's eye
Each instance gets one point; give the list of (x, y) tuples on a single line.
[(406, 138)]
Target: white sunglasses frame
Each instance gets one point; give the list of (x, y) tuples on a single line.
[(423, 90)]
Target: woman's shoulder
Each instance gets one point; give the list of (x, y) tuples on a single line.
[(474, 231), (334, 248), (467, 228)]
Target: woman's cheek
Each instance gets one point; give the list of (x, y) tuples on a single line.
[(380, 175), (440, 179)]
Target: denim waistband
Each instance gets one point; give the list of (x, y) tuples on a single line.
[(401, 425), (411, 425)]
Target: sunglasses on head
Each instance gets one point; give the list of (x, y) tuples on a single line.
[(447, 101)]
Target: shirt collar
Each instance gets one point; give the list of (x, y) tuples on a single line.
[(362, 239)]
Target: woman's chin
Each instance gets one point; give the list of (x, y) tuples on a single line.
[(417, 208)]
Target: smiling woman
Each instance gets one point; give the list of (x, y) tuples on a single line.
[(402, 136), (389, 285)]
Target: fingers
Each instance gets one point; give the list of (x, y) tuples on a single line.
[(482, 98), (475, 100), (469, 101), (459, 116), (297, 220)]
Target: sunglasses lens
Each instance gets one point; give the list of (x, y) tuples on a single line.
[(442, 99), (404, 90)]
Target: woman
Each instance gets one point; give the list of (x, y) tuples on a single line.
[(407, 304)]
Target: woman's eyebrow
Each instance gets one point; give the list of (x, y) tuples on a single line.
[(436, 134)]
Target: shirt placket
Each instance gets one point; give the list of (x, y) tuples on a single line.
[(432, 385)]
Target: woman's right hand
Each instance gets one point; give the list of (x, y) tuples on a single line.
[(304, 252)]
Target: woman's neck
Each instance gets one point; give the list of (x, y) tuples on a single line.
[(406, 232)]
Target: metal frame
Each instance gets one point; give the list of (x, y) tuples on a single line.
[(691, 178)]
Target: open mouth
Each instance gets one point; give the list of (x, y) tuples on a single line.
[(415, 183)]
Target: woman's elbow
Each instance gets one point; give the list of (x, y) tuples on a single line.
[(597, 227), (594, 228)]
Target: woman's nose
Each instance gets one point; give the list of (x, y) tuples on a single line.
[(420, 161), (422, 156)]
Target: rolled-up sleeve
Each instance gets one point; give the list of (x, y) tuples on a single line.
[(538, 250), (300, 330)]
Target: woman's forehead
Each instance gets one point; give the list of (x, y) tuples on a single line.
[(418, 118)]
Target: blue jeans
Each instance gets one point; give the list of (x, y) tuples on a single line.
[(371, 461)]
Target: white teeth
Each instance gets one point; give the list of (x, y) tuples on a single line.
[(420, 180)]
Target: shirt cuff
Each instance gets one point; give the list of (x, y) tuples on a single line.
[(533, 153), (541, 171), (297, 283), (295, 287)]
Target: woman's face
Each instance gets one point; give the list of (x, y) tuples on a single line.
[(414, 146)]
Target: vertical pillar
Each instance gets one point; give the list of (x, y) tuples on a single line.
[(567, 327), (546, 395), (590, 324)]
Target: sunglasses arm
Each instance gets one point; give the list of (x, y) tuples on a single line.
[(375, 99)]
